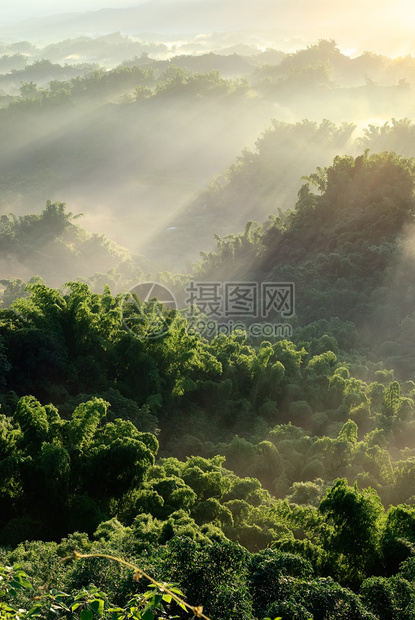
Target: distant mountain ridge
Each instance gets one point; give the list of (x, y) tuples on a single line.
[(292, 22)]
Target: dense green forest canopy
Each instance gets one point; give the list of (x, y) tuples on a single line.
[(79, 454)]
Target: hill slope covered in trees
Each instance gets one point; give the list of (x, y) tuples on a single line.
[(292, 458)]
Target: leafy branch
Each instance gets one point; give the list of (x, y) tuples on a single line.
[(167, 593)]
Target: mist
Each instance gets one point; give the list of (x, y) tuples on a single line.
[(153, 149), (382, 28), (165, 123)]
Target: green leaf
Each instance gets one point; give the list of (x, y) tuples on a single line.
[(33, 611), (176, 591), (167, 598), (157, 599), (97, 606), (15, 584), (86, 614)]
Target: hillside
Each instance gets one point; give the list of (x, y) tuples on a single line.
[(51, 245), (346, 246), (181, 451)]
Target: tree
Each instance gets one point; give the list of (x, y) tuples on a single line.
[(398, 537), (352, 533)]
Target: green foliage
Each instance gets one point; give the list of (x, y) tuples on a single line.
[(84, 388), (320, 598), (52, 244), (67, 472), (90, 602), (398, 536), (352, 533), (268, 571), (216, 572), (335, 246), (389, 598)]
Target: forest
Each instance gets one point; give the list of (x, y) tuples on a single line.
[(250, 473)]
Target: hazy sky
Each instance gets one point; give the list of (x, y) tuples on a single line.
[(398, 11), (23, 9)]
